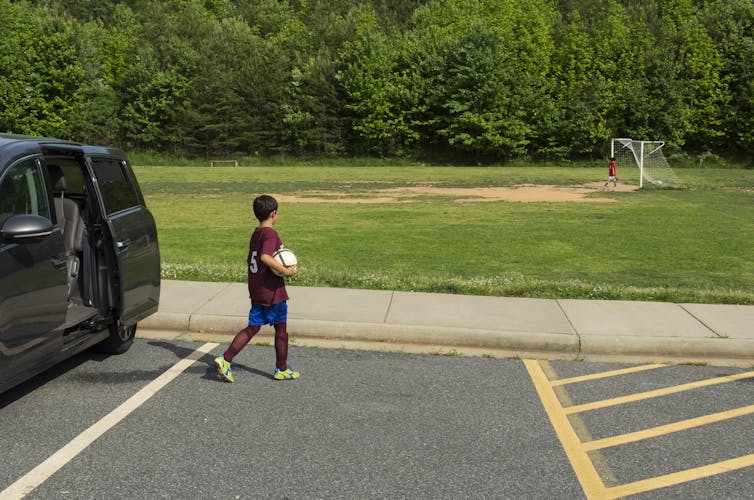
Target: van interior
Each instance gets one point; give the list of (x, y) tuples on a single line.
[(82, 238)]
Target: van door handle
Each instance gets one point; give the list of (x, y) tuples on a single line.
[(122, 245)]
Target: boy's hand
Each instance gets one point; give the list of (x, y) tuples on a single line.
[(270, 262)]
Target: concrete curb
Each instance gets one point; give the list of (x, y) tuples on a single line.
[(572, 345), (508, 325), (674, 347), (373, 332), (440, 336)]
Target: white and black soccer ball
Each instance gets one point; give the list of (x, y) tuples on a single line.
[(286, 257)]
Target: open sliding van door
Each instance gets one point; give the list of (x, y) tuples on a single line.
[(132, 234)]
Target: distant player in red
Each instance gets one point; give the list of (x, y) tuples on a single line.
[(267, 293), (612, 173)]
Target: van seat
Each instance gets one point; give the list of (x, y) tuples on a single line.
[(70, 221)]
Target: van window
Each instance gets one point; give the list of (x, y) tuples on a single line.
[(74, 180), (117, 190), (22, 191)]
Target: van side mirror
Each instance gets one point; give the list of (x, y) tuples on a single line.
[(25, 229)]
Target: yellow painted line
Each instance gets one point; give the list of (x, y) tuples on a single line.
[(57, 460), (585, 472), (680, 477), (682, 425), (656, 393), (613, 373), (578, 452), (579, 427)]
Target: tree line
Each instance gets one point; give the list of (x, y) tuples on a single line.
[(462, 80)]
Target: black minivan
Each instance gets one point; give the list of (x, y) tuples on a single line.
[(79, 259)]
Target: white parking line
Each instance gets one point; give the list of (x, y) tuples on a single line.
[(43, 471)]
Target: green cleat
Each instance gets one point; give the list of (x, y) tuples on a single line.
[(286, 374), (223, 368)]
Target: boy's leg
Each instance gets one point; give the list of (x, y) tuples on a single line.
[(281, 346), (242, 338), (282, 370), (239, 342)]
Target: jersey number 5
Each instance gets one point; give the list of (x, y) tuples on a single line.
[(253, 266)]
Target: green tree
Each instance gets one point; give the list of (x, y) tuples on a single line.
[(474, 111), (214, 115), (107, 54), (16, 24), (697, 69), (593, 69), (730, 24), (484, 64), (676, 90), (95, 117), (314, 115), (377, 96), (40, 71), (452, 79), (575, 125)]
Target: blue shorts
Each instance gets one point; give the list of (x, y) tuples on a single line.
[(268, 315)]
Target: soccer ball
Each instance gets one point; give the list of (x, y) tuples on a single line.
[(286, 257)]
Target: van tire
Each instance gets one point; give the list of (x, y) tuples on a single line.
[(120, 339)]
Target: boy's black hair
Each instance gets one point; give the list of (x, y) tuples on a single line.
[(264, 205)]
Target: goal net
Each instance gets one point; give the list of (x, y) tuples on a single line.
[(647, 155)]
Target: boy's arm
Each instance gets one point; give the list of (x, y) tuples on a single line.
[(270, 262)]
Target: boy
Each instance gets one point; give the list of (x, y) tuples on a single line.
[(266, 291), (611, 173)]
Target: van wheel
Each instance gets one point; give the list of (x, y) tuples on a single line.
[(120, 339)]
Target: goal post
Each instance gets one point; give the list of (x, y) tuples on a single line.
[(213, 163), (648, 157)]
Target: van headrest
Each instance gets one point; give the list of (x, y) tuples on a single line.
[(57, 178)]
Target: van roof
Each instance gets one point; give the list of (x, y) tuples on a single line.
[(13, 146)]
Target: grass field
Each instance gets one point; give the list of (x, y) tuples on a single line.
[(689, 245)]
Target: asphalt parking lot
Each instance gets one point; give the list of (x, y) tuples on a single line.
[(157, 423)]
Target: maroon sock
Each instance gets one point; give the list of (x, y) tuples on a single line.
[(281, 346), (242, 338)]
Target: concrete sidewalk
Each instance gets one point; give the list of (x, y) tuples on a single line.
[(420, 322)]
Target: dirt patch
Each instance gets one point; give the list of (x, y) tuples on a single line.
[(527, 193)]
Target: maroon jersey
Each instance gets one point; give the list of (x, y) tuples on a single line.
[(265, 288), (611, 169)]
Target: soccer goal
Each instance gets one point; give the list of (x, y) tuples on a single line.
[(647, 155)]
